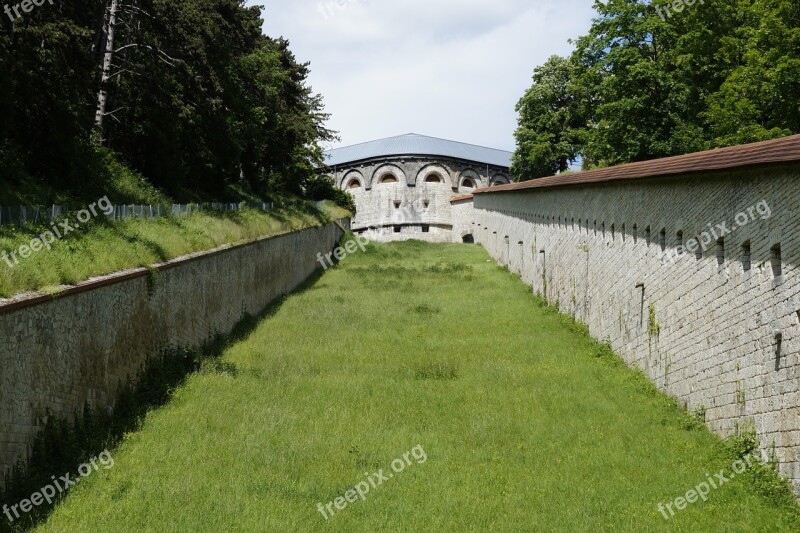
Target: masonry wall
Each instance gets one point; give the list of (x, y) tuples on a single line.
[(58, 355), (411, 208), (704, 327)]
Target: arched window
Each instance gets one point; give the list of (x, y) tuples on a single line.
[(354, 184), (433, 178), (469, 183), (499, 180), (388, 178)]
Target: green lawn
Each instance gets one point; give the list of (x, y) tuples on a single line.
[(103, 248), (526, 423)]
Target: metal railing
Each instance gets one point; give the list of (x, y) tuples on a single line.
[(23, 215)]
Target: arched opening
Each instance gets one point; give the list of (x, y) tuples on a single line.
[(434, 178), (499, 180), (388, 178), (354, 184), (468, 239), (468, 183)]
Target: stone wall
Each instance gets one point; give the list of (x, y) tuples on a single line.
[(717, 329), (411, 207), (59, 354)]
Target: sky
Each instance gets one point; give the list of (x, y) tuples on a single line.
[(453, 69)]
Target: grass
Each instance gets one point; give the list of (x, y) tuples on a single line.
[(527, 423), (102, 247)]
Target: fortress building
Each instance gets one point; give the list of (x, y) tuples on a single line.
[(403, 186)]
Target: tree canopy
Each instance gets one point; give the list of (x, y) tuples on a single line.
[(647, 82), (189, 95)]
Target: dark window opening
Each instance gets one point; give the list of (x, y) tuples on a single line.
[(397, 229), (746, 256), (426, 228), (775, 259), (468, 239)]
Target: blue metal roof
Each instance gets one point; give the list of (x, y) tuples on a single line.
[(413, 144)]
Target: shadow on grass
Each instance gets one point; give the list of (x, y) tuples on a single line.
[(63, 445)]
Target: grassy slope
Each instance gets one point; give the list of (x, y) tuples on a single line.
[(104, 248), (525, 428)]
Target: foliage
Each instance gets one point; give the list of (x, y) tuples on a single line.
[(638, 86), (549, 122), (321, 187), (199, 102), (101, 247)]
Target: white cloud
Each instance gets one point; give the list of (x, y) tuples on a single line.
[(448, 68)]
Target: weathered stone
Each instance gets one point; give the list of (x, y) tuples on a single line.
[(80, 348), (711, 339)]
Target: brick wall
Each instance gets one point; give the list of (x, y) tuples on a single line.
[(57, 355), (705, 328)]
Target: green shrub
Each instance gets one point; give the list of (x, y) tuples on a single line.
[(321, 188)]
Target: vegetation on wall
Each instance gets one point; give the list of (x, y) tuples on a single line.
[(649, 82), (102, 247)]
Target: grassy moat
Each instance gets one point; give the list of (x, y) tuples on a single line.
[(526, 423)]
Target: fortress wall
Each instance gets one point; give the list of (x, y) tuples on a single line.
[(410, 203), (705, 329), (57, 355)]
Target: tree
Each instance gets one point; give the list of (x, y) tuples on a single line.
[(189, 94), (550, 117), (639, 106), (758, 99), (644, 85)]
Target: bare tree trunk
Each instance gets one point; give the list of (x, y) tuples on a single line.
[(102, 95)]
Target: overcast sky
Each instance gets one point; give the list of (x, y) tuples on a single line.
[(448, 68)]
